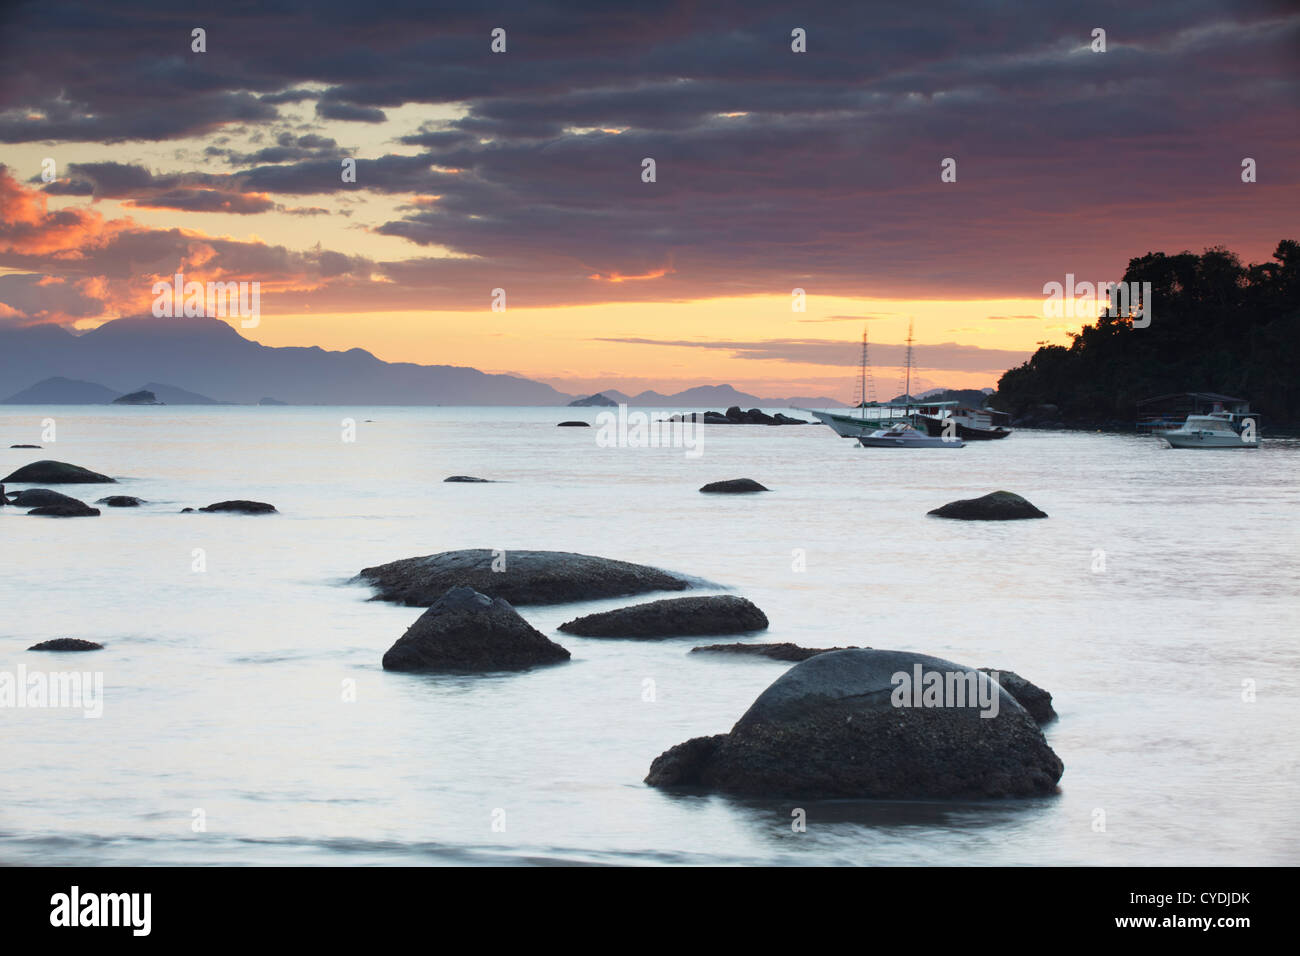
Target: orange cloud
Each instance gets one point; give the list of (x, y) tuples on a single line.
[(619, 277)]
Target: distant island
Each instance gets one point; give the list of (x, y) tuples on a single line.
[(592, 400), (66, 391), (142, 397), (1216, 326)]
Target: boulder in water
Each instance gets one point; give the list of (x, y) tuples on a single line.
[(41, 497), (876, 724), (673, 617), (469, 478), (733, 486), (242, 507), (55, 473), (66, 644), (77, 509), (520, 577), (995, 506), (121, 501), (465, 631)]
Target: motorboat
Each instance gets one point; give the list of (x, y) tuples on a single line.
[(972, 424), (905, 436), (1215, 430)]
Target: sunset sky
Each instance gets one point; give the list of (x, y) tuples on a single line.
[(522, 170)]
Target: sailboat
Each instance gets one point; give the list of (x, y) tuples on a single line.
[(902, 434), (939, 420), (855, 426)]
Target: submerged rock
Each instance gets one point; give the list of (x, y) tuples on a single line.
[(24, 446), (673, 617), (574, 425), (56, 473), (468, 631), (121, 501), (486, 481), (520, 577), (1030, 696), (733, 486), (835, 726), (995, 506), (778, 652), (66, 644), (242, 507)]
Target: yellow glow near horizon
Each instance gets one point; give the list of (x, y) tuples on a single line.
[(565, 346)]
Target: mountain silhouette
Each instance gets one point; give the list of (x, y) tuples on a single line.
[(211, 358)]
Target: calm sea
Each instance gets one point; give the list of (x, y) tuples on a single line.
[(246, 719)]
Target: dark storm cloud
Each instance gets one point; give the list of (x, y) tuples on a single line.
[(350, 112), (825, 176)]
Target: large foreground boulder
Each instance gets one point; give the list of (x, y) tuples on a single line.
[(869, 723), (468, 631), (733, 486), (520, 577), (673, 617), (56, 473), (995, 506)]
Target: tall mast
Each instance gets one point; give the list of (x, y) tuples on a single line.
[(866, 387), (863, 385), (907, 388)]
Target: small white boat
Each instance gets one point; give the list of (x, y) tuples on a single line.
[(905, 436), (1210, 431)]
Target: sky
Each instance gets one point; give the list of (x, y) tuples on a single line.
[(524, 170)]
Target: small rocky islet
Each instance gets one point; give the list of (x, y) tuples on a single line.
[(735, 416)]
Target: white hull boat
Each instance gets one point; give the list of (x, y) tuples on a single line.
[(853, 426), (1210, 431), (905, 436)]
